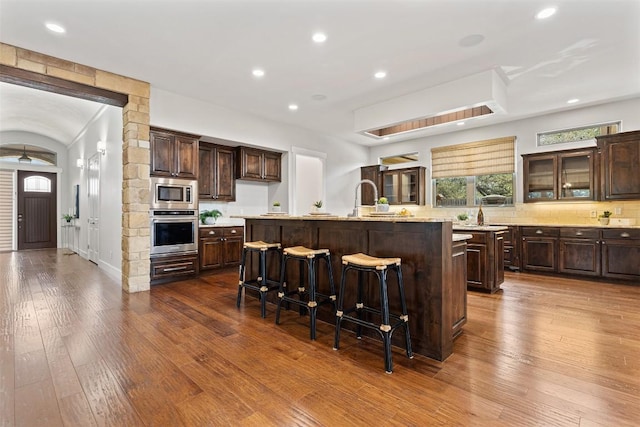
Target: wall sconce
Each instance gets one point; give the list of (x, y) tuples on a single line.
[(102, 147), (80, 163)]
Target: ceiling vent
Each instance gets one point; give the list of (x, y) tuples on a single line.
[(479, 95)]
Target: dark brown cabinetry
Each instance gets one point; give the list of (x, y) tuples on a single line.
[(220, 247), (459, 288), (540, 248), (216, 178), (620, 165), (258, 165), (579, 251), (512, 248), (173, 154), (621, 254), (485, 260), (174, 266), (372, 173), (404, 186), (560, 175)]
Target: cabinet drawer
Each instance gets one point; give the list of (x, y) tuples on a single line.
[(166, 267), (233, 231), (210, 232), (621, 233), (480, 238), (540, 232), (580, 233)]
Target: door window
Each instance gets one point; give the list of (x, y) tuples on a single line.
[(37, 184)]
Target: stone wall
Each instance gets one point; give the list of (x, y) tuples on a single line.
[(135, 151)]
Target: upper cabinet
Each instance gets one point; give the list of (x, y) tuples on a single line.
[(216, 179), (372, 173), (173, 154), (404, 186), (620, 163), (258, 165), (560, 175)]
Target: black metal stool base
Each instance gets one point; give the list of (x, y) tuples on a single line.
[(261, 284)]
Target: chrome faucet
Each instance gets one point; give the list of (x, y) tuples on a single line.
[(375, 195)]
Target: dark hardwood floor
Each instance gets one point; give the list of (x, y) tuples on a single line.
[(76, 351)]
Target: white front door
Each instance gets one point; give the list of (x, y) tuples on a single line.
[(93, 186)]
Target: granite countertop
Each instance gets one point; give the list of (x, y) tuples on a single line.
[(458, 237), (331, 217), (458, 227), (523, 224), (227, 222)]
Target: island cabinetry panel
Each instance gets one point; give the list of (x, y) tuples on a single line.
[(485, 261), (540, 248), (173, 154), (620, 165), (216, 179), (258, 165), (426, 252), (459, 289), (579, 251), (621, 254), (172, 267), (220, 247)]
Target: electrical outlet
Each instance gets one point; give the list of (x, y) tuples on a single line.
[(594, 214), (618, 211)]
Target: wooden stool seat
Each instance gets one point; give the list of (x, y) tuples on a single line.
[(376, 318), (307, 299)]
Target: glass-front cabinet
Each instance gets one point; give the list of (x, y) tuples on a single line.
[(404, 186), (561, 175)]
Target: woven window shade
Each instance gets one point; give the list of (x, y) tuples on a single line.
[(6, 210), (475, 158)]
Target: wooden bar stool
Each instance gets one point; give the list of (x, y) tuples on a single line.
[(306, 299), (261, 284), (379, 266)]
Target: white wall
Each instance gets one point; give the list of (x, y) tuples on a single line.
[(106, 126), (344, 159), (525, 130)]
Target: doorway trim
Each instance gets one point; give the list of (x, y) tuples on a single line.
[(33, 69)]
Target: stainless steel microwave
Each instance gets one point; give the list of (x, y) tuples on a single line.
[(172, 193)]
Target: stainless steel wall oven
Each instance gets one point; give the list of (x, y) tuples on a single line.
[(174, 232)]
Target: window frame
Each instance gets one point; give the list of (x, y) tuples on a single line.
[(617, 123)]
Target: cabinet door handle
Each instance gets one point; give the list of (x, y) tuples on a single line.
[(233, 231), (539, 231), (625, 235), (579, 233), (175, 268), (212, 233)]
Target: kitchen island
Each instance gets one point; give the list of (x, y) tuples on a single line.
[(433, 266), (485, 256)]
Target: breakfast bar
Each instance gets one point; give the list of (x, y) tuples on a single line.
[(433, 265)]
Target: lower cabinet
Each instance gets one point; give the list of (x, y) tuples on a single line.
[(173, 266), (220, 247), (579, 251), (621, 254), (540, 248), (512, 248), (485, 261), (459, 289)]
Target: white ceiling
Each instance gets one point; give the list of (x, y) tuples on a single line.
[(206, 50)]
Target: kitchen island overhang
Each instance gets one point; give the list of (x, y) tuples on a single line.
[(425, 246)]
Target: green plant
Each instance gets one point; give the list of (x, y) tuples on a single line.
[(318, 204), (215, 213), (463, 216), (383, 201), (605, 214), (276, 203), (67, 217)]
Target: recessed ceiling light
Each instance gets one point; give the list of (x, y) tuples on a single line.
[(55, 28), (319, 37), (545, 13), (460, 123), (318, 97), (471, 40), (293, 107), (257, 72), (380, 75), (573, 101), (385, 138)]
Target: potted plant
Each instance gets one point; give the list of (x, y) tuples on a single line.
[(383, 205), (463, 217), (604, 218), (317, 206), (67, 217), (210, 216), (276, 207)]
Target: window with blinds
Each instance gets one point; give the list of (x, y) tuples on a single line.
[(6, 210), (474, 173)]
